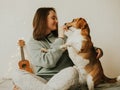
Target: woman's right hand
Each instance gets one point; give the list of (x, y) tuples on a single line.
[(61, 31)]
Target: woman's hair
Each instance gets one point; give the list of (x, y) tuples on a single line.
[(40, 23)]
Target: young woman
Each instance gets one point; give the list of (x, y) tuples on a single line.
[(47, 35)]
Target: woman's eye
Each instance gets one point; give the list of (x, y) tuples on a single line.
[(54, 18)]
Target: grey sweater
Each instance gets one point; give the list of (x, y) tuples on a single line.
[(50, 63)]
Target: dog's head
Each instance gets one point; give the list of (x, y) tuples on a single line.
[(79, 23), (79, 35)]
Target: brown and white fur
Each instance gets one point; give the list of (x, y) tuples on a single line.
[(83, 54)]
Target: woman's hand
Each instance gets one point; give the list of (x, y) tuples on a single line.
[(61, 31), (99, 53)]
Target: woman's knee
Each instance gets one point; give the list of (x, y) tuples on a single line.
[(64, 79), (72, 71)]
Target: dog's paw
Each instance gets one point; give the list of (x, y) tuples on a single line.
[(63, 47), (118, 78), (44, 50)]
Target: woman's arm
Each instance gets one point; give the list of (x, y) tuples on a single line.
[(45, 59)]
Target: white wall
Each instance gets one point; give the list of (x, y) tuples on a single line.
[(103, 17)]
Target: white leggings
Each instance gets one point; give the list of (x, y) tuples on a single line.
[(64, 79), (61, 81)]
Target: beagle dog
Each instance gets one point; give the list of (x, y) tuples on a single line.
[(83, 54)]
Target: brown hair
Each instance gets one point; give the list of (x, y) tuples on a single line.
[(40, 23)]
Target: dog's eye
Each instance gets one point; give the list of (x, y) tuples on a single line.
[(73, 20)]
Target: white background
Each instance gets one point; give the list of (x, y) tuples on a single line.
[(103, 17)]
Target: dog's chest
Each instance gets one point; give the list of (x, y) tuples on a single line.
[(77, 59), (75, 41), (80, 64)]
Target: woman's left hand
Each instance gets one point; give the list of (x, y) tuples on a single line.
[(61, 31), (99, 53)]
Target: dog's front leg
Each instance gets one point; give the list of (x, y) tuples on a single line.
[(90, 82), (64, 46)]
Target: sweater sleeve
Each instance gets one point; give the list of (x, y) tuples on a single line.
[(45, 59)]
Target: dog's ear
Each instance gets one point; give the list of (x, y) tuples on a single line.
[(84, 32), (81, 23)]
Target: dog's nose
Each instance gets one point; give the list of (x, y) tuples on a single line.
[(65, 23)]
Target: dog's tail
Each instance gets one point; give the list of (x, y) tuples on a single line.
[(111, 80)]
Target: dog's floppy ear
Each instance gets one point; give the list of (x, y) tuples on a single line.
[(82, 24), (85, 32)]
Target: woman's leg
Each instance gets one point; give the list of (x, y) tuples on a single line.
[(26, 81), (63, 80)]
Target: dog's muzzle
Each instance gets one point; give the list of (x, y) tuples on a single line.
[(68, 26)]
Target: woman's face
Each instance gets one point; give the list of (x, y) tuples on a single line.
[(52, 21)]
